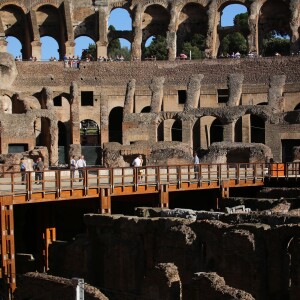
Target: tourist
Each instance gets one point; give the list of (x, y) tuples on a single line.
[(73, 166), (196, 165), (138, 162), (23, 170), (39, 168), (81, 164)]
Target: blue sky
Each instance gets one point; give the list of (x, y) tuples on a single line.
[(120, 19)]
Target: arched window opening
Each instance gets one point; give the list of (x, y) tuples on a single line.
[(146, 109), (155, 24), (216, 131), (274, 28), (257, 129), (160, 132), (57, 101), (155, 48), (177, 131), (233, 31), (119, 50), (120, 19), (50, 25), (85, 48), (15, 26), (115, 124), (192, 31), (50, 48), (297, 107), (14, 47), (89, 133)]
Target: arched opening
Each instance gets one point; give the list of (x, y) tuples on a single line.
[(177, 131), (15, 25), (274, 28), (160, 132), (119, 49), (115, 124), (192, 30), (50, 48), (155, 23), (85, 48), (297, 107), (146, 109), (49, 24), (216, 131), (120, 19), (89, 139), (89, 133), (14, 47), (62, 144), (233, 30), (257, 129), (155, 48)]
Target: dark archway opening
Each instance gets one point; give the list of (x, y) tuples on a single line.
[(177, 131), (257, 129), (216, 131), (115, 125)]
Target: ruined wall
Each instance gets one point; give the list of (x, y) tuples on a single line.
[(119, 252)]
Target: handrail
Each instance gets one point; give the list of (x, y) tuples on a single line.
[(62, 179)]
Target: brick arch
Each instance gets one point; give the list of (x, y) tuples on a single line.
[(145, 4), (124, 6), (224, 3), (42, 3), (17, 3), (166, 116), (182, 4)]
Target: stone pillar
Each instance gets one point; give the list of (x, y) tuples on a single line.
[(157, 88), (212, 42), (235, 86), (3, 42), (171, 34), (187, 133), (294, 24), (36, 44), (228, 132), (275, 95), (253, 27), (69, 44), (104, 132), (102, 42), (246, 129), (193, 92), (136, 50), (74, 113), (129, 100)]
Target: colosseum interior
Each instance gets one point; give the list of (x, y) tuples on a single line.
[(228, 110)]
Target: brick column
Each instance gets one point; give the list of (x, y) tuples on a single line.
[(36, 44), (171, 35), (136, 50), (253, 27), (212, 42), (228, 132), (294, 24), (102, 42)]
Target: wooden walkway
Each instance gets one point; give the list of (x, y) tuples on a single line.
[(105, 183)]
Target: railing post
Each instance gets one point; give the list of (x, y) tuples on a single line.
[(105, 201), (58, 183), (164, 196)]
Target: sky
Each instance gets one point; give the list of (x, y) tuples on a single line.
[(121, 20)]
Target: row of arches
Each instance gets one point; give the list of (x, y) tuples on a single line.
[(155, 20)]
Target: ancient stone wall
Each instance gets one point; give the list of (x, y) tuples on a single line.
[(119, 252)]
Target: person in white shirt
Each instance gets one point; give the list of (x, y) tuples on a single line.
[(80, 165), (196, 165), (138, 162)]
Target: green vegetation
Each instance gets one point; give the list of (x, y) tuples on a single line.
[(157, 48)]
